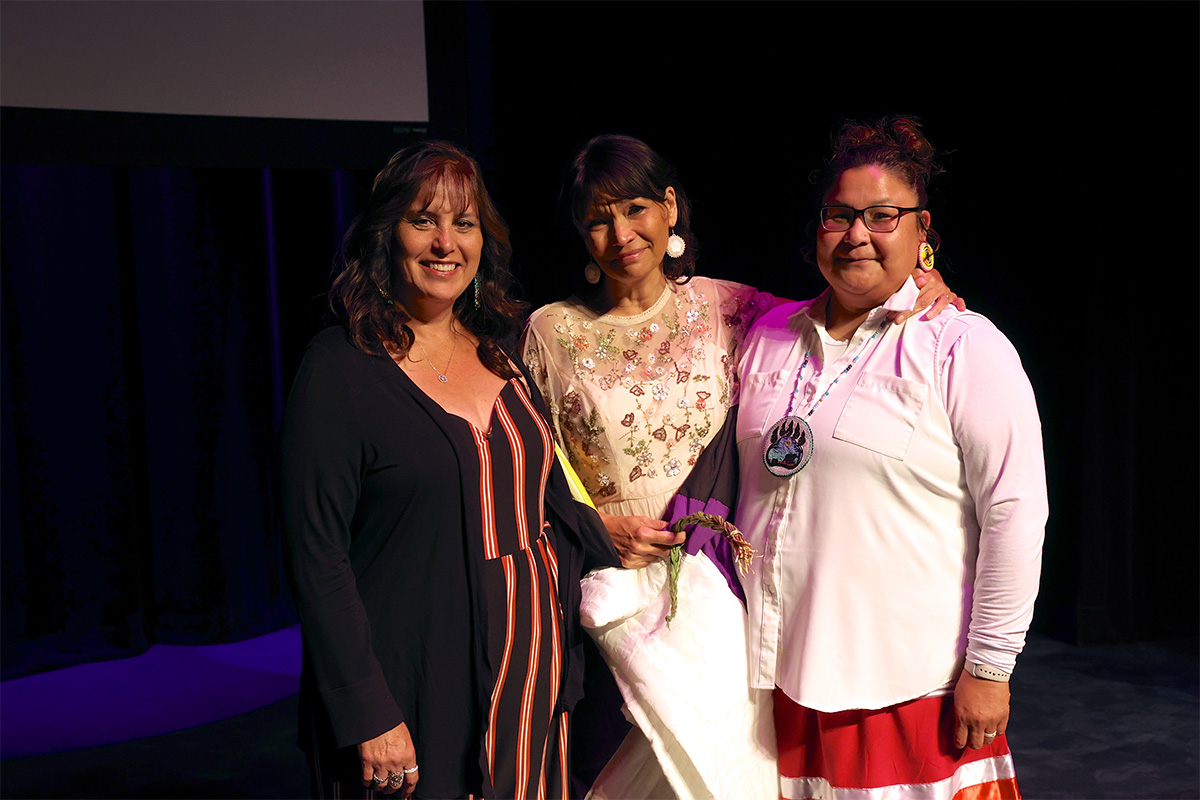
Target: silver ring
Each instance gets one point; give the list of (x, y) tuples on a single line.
[(989, 735), (411, 771), (377, 779), (395, 779)]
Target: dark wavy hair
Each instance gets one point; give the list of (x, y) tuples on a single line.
[(895, 143), (621, 168), (362, 287)]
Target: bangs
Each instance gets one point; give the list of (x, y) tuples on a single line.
[(451, 182), (616, 180)]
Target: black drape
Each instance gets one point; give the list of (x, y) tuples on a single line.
[(152, 316), (143, 380)]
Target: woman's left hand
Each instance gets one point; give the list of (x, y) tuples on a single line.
[(385, 762), (980, 711), (935, 295)]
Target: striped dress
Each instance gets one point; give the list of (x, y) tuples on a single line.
[(525, 741)]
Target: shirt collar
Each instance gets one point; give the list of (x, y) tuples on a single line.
[(903, 300)]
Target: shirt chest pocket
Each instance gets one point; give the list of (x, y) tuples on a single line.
[(759, 392), (882, 414)]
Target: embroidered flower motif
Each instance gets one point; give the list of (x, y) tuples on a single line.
[(608, 487), (651, 433), (640, 336)]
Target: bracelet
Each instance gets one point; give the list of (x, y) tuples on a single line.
[(987, 672)]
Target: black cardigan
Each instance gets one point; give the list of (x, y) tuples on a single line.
[(382, 570)]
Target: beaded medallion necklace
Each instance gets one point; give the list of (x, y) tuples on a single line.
[(788, 446)]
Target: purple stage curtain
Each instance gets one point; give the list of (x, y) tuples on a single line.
[(152, 318)]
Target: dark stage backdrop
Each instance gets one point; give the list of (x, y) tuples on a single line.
[(156, 298)]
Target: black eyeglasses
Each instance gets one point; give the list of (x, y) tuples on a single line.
[(878, 219)]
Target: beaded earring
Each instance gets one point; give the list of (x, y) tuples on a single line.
[(925, 256), (675, 244)]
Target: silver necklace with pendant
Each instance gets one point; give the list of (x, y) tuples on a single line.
[(441, 375), (788, 445)]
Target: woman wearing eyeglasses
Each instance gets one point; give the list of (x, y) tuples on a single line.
[(892, 476)]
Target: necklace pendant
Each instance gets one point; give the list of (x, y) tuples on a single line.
[(443, 378), (787, 447)]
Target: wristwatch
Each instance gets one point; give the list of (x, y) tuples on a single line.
[(987, 672)]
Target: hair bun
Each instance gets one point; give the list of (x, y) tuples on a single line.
[(895, 142)]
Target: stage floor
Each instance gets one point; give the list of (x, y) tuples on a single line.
[(1088, 723)]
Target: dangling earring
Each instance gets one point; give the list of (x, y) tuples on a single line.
[(925, 256), (675, 244), (591, 273), (476, 291), (383, 292)]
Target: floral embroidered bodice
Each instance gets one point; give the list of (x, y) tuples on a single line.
[(634, 400)]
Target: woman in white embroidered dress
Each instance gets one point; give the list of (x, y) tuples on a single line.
[(640, 371)]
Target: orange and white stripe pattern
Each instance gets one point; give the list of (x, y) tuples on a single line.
[(526, 740), (904, 752)]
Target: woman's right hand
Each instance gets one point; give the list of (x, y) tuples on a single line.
[(640, 540), (390, 754)]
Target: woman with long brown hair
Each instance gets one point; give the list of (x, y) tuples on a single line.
[(434, 547)]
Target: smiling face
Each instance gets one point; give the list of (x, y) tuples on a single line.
[(628, 238), (439, 245), (865, 268)]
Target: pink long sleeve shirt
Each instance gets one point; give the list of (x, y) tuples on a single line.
[(913, 536)]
